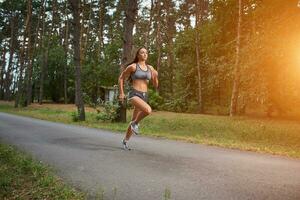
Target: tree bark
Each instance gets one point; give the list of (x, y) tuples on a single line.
[(149, 24), (45, 59), (2, 72), (87, 33), (102, 11), (20, 83), (235, 90), (8, 76), (30, 61), (82, 31), (32, 50), (55, 17), (42, 75), (198, 23), (75, 5), (131, 13), (66, 54), (158, 37), (170, 32)]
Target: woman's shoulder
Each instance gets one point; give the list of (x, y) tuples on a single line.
[(151, 67), (131, 67)]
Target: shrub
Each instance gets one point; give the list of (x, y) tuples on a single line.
[(155, 100), (109, 113), (75, 117)]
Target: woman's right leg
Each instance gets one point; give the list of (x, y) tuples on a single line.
[(144, 108), (134, 115)]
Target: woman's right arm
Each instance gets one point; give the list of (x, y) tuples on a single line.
[(123, 76)]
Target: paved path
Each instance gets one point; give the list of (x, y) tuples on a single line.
[(93, 160)]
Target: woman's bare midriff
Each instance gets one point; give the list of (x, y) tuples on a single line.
[(140, 85)]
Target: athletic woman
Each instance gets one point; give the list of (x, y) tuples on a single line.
[(140, 73)]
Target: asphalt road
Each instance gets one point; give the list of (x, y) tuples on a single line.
[(93, 160)]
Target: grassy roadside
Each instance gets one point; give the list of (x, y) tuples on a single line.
[(24, 178), (280, 137)]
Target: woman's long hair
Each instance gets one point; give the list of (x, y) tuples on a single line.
[(136, 58)]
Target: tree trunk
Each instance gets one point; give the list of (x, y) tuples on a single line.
[(32, 50), (131, 13), (170, 46), (2, 72), (198, 23), (8, 75), (102, 11), (87, 32), (66, 54), (20, 83), (30, 61), (149, 24), (55, 17), (158, 37), (82, 31), (75, 5), (235, 90), (45, 60)]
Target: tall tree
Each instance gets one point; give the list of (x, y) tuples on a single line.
[(197, 27), (27, 33), (45, 48), (66, 43), (235, 90), (75, 7), (169, 30), (131, 13), (13, 39), (158, 39), (101, 16), (149, 24), (31, 48), (2, 70)]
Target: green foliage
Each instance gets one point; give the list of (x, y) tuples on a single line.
[(109, 113), (268, 59), (175, 105), (75, 116), (54, 77), (155, 100), (101, 73)]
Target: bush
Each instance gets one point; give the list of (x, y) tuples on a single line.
[(193, 107), (109, 113), (75, 117), (155, 100), (176, 105)]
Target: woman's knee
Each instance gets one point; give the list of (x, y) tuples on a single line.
[(148, 111)]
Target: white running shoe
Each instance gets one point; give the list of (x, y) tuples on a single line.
[(134, 127), (125, 145)]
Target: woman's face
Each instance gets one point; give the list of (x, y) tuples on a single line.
[(143, 54)]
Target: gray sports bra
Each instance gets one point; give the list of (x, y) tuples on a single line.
[(141, 74)]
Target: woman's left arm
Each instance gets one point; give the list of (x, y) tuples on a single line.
[(154, 77)]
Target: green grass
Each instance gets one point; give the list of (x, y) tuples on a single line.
[(280, 137), (24, 178)]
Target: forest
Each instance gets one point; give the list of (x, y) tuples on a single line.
[(222, 57)]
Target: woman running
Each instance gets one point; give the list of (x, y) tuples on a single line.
[(140, 73)]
